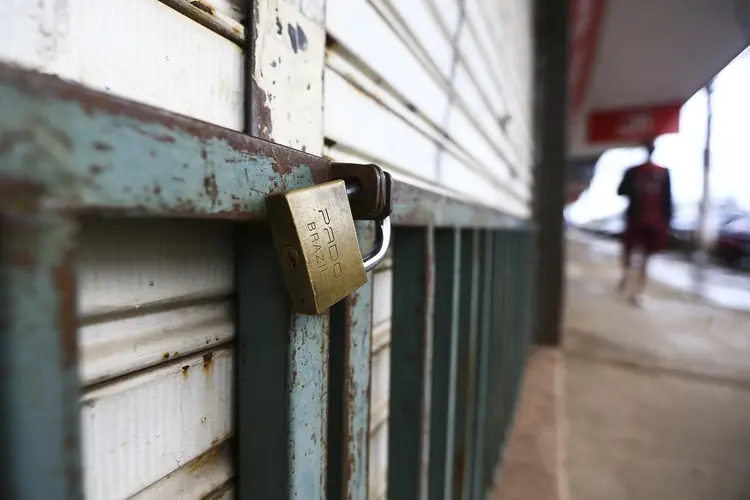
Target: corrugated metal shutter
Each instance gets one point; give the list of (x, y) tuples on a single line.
[(439, 93), (436, 91)]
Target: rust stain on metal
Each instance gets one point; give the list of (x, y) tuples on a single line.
[(204, 6), (210, 188), (458, 472), (18, 199), (17, 250), (220, 493), (165, 356), (102, 146), (65, 283), (19, 196), (350, 394), (183, 208), (168, 139), (185, 370), (208, 360), (206, 458), (260, 112)]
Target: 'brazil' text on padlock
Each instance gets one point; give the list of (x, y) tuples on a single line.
[(316, 241)]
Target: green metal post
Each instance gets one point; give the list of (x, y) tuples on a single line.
[(40, 386), (411, 348), (444, 361)]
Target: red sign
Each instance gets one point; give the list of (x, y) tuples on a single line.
[(586, 19), (633, 124)]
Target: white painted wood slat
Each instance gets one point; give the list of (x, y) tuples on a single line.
[(139, 429), (138, 49), (360, 28)]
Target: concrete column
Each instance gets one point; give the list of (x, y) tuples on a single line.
[(551, 35)]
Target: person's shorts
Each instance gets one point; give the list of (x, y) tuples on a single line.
[(648, 239)]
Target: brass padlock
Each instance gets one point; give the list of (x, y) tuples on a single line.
[(315, 238)]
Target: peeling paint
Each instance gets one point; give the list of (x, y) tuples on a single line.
[(102, 146), (301, 39), (357, 338), (282, 33), (308, 408), (204, 6), (292, 37), (38, 150), (261, 125), (208, 360)]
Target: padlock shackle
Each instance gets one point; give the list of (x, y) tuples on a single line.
[(382, 242)]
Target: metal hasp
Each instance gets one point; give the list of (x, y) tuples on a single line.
[(370, 189), (316, 242)]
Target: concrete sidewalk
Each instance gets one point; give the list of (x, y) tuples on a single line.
[(657, 398), (533, 466)]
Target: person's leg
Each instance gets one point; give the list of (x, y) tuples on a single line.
[(641, 273), (626, 258), (653, 241)]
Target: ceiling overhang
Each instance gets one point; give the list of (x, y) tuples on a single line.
[(631, 57)]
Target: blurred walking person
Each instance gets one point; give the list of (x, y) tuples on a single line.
[(649, 192)]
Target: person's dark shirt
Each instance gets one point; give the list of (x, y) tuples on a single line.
[(639, 205)]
